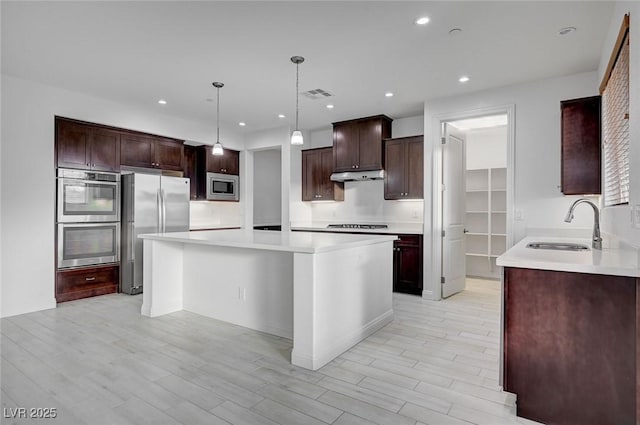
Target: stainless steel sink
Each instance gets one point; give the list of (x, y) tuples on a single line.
[(558, 246)]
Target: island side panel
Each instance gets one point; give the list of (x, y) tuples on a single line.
[(340, 298), (248, 287), (162, 277), (570, 346)]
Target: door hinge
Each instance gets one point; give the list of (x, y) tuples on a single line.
[(443, 140), (443, 187), (444, 233), (442, 279)]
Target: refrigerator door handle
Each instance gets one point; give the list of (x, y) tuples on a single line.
[(164, 212), (132, 241), (159, 209)]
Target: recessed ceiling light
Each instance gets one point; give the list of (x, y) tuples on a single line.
[(566, 30), (388, 94), (329, 106), (281, 116), (463, 79), (242, 124), (422, 21), (162, 102)]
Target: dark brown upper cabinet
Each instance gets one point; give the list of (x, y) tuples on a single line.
[(357, 144), (404, 168), (79, 145), (317, 166), (227, 163), (147, 151), (190, 169), (581, 152), (199, 161)]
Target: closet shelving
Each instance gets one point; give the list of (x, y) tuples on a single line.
[(486, 220)]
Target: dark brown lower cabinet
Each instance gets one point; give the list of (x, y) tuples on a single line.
[(407, 264), (571, 347), (87, 282)]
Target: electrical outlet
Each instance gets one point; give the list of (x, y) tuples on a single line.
[(242, 294), (635, 216)]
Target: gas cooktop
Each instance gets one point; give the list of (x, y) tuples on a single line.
[(357, 226)]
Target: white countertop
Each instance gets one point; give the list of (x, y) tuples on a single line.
[(618, 261), (393, 228), (213, 226), (305, 242)]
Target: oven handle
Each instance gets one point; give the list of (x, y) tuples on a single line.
[(68, 180)]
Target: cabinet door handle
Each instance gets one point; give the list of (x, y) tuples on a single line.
[(89, 279)]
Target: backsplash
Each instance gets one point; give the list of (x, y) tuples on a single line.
[(208, 213), (364, 202)]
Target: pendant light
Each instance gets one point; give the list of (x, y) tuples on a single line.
[(217, 148), (296, 136)]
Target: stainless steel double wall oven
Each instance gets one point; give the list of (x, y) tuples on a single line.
[(88, 218)]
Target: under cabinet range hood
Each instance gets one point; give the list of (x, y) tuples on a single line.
[(354, 176)]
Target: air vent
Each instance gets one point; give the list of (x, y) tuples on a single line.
[(316, 94)]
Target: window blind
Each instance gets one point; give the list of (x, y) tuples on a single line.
[(615, 126)]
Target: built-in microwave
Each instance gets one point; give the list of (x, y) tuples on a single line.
[(88, 196), (83, 244), (222, 187)]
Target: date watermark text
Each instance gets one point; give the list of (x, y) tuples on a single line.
[(29, 412)]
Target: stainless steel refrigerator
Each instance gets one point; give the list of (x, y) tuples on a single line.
[(151, 203)]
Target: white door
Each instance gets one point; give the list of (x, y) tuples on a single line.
[(453, 211)]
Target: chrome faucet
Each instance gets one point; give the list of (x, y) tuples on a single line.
[(596, 240)]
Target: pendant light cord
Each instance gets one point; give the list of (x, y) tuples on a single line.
[(218, 115), (297, 92)]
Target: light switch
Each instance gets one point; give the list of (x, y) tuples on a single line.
[(519, 215)]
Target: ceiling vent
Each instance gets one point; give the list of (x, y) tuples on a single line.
[(316, 94)]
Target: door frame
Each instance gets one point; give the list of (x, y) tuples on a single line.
[(432, 279)]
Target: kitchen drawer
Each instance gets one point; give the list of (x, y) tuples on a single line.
[(86, 282), (409, 240)]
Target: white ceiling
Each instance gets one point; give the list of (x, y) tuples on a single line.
[(139, 52)]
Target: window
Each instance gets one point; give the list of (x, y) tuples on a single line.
[(615, 121)]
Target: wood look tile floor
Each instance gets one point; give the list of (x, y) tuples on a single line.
[(98, 361)]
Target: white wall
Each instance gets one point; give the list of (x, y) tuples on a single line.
[(537, 154), (364, 201), (28, 177), (293, 209), (214, 213), (617, 220), (267, 187), (487, 148)]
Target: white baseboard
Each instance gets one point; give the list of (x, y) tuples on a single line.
[(323, 356), (428, 294)]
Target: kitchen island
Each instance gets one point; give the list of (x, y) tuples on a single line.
[(326, 292)]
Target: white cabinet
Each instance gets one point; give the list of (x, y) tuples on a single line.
[(486, 220)]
